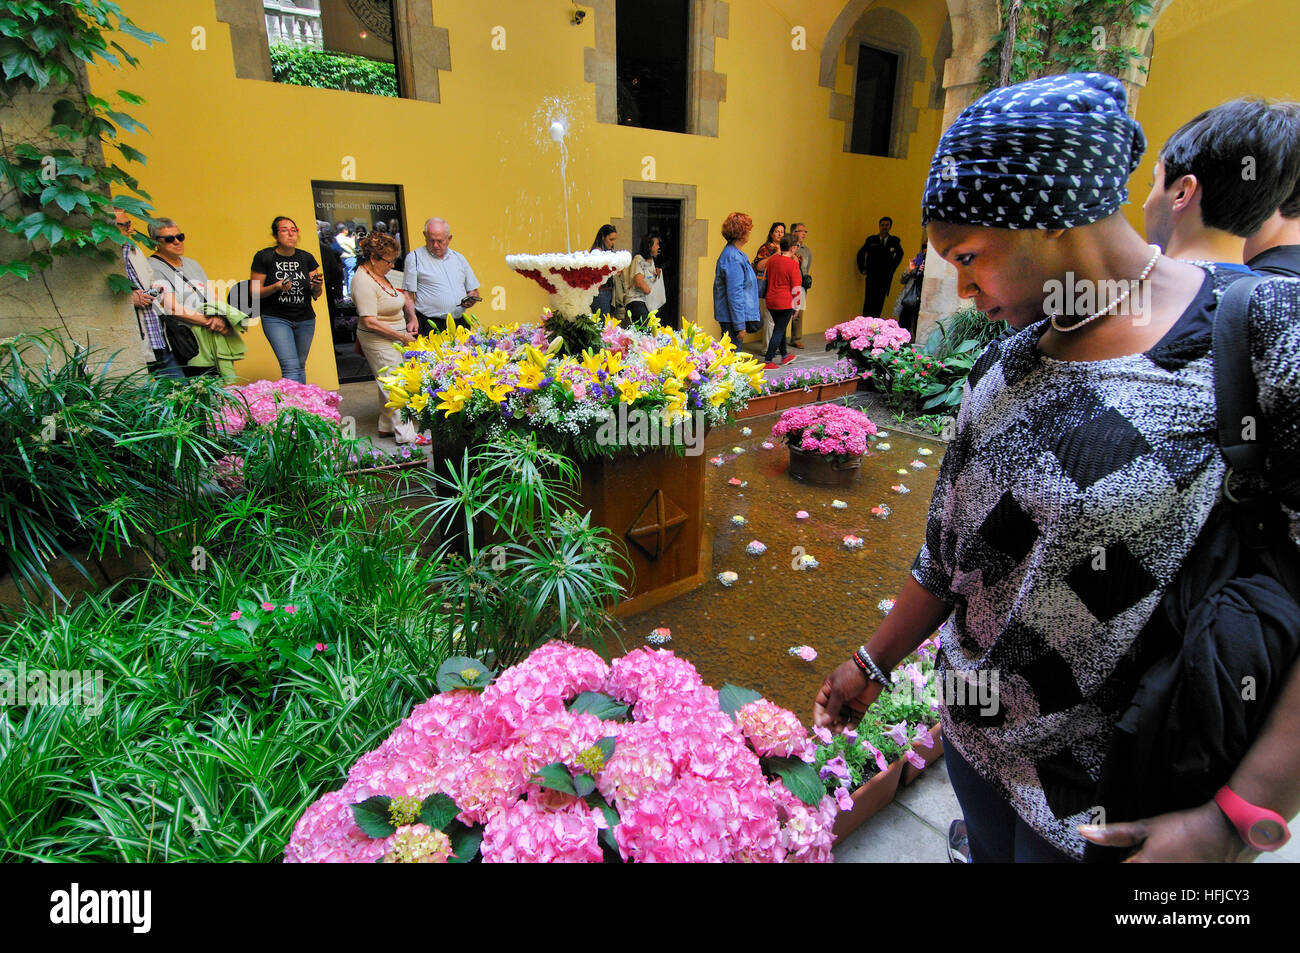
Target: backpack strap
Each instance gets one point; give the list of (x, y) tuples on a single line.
[(1236, 392)]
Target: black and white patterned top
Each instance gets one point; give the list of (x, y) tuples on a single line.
[(1064, 507)]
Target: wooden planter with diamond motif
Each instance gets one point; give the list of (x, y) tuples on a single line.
[(654, 504)]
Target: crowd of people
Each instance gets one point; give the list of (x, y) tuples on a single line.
[(1088, 484)]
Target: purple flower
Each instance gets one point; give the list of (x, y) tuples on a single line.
[(898, 734), (844, 799), (922, 736), (822, 734), (914, 759), (836, 767)]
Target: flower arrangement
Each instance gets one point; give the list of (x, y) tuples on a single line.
[(803, 378), (895, 726), (825, 428), (863, 339), (571, 279), (564, 758), (261, 402), (468, 386)]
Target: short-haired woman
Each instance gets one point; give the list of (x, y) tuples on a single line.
[(735, 286), (783, 277), (382, 323), (289, 279)]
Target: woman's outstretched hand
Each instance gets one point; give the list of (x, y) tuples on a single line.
[(844, 697)]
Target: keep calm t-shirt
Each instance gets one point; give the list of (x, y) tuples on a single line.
[(292, 304)]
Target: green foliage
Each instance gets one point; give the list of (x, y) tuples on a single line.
[(800, 779), (518, 565), (578, 332), (1065, 36), (90, 458), (322, 69), (65, 206)]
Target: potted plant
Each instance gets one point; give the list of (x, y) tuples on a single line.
[(866, 762), (868, 343), (826, 441)]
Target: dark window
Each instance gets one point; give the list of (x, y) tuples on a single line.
[(873, 101), (653, 58), (333, 44), (363, 208), (663, 219)]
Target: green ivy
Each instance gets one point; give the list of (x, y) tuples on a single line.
[(65, 203), (1065, 36), (326, 70)]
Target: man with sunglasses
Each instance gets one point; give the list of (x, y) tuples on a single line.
[(182, 282)]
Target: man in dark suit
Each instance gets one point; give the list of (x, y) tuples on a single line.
[(878, 259)]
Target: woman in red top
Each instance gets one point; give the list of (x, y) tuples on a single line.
[(782, 279)]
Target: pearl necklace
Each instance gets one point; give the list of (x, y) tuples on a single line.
[(1114, 304)]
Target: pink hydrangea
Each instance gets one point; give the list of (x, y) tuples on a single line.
[(773, 730), (683, 777), (871, 335), (262, 402), (528, 834), (825, 428)]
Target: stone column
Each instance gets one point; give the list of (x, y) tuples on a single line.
[(72, 295)]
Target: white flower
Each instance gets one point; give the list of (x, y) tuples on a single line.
[(839, 504), (727, 578)]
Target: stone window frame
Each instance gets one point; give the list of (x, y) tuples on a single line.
[(422, 49), (695, 236), (705, 88), (879, 27)]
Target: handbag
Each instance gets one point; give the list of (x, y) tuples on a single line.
[(806, 281), (1230, 614), (180, 334)]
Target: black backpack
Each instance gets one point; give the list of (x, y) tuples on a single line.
[(1220, 647)]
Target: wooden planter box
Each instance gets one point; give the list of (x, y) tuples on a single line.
[(928, 755), (758, 406), (654, 504), (794, 398), (869, 799), (838, 390)]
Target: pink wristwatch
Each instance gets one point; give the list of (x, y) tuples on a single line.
[(1259, 827)]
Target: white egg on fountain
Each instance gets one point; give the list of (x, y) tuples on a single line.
[(572, 278)]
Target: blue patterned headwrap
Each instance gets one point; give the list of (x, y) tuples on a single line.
[(1055, 152)]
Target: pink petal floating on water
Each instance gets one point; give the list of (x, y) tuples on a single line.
[(768, 445), (801, 515), (734, 481)]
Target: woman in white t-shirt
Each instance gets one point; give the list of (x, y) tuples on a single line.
[(644, 272), (381, 323)]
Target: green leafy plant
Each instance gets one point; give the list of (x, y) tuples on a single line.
[(1050, 37), (518, 565), (327, 70), (65, 203)]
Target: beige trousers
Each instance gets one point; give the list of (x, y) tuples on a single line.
[(383, 359)]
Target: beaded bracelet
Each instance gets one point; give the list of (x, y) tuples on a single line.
[(869, 667)]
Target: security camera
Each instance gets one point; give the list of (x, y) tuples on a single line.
[(578, 17)]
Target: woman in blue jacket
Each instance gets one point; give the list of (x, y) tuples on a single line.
[(735, 286)]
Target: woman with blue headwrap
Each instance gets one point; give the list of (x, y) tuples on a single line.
[(1083, 468)]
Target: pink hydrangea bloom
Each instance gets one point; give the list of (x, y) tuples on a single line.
[(773, 730), (529, 834)]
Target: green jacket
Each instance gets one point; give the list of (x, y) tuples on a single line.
[(221, 350)]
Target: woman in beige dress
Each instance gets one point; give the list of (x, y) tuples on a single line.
[(381, 323)]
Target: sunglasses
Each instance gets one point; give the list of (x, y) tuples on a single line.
[(179, 237)]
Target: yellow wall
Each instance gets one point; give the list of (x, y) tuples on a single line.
[(226, 155), (1207, 52)]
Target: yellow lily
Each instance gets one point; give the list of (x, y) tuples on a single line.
[(529, 377), (418, 402), (629, 391)]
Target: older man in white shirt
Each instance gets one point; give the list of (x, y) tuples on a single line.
[(438, 282)]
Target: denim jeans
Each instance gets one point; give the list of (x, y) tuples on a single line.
[(780, 318), (997, 834), (604, 303), (164, 364), (291, 341)]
